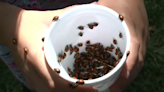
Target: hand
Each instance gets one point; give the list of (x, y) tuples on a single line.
[(33, 25), (135, 16)]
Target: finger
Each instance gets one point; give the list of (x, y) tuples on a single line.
[(143, 38), (35, 81), (143, 33), (38, 78), (142, 53), (28, 71), (39, 65)]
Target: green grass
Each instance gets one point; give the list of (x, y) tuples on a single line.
[(151, 77)]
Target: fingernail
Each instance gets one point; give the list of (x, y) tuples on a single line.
[(95, 89), (118, 90), (128, 73)]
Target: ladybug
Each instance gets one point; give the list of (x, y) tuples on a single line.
[(69, 70), (57, 70), (128, 53), (88, 42), (66, 48), (77, 60), (55, 18), (121, 17), (91, 25), (116, 52), (80, 81), (95, 24), (25, 50), (80, 44), (112, 47), (120, 35), (71, 49), (76, 49), (43, 39), (114, 41), (14, 41), (64, 55), (116, 63), (77, 55), (80, 34), (59, 59), (81, 27)]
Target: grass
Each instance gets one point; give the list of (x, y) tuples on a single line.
[(151, 77)]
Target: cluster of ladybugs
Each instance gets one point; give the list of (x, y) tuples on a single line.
[(90, 25), (93, 63)]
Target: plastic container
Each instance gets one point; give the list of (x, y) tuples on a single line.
[(65, 31)]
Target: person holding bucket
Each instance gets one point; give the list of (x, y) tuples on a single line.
[(23, 27)]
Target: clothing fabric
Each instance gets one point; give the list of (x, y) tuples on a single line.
[(45, 4), (40, 5)]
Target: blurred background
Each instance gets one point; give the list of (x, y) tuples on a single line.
[(151, 77)]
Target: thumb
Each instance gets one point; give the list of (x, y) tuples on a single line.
[(85, 89)]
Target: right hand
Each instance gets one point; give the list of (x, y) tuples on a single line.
[(135, 16), (33, 25)]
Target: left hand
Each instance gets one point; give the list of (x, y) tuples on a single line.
[(31, 61), (135, 16)]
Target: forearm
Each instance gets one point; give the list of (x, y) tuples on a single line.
[(10, 17), (112, 3)]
